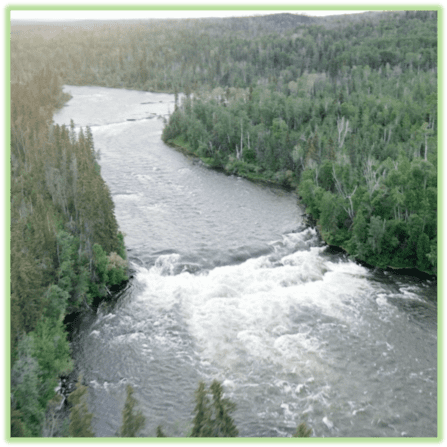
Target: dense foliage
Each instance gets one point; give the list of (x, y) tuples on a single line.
[(80, 418), (358, 139), (66, 250)]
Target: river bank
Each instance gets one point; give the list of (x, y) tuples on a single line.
[(238, 167), (245, 170)]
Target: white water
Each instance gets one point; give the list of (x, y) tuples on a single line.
[(229, 284)]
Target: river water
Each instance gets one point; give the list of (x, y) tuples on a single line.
[(230, 284)]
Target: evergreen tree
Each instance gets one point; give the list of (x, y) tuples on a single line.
[(223, 422), (52, 352), (302, 431), (133, 420), (212, 417), (27, 412), (202, 416), (160, 433), (80, 418)]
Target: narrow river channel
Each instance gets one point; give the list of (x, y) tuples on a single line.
[(230, 284)]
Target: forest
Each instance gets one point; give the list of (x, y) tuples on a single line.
[(353, 129), (66, 251), (342, 109)]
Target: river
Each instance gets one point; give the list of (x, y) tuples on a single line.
[(229, 284)]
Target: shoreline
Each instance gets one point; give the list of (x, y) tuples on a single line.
[(310, 221)]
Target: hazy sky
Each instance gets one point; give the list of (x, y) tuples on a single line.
[(140, 14)]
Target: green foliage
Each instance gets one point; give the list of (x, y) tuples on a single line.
[(66, 249), (160, 433), (202, 426), (116, 269), (17, 425), (376, 232), (332, 213), (133, 420), (42, 356), (423, 250), (302, 431), (121, 246), (101, 263), (52, 352), (360, 234), (109, 270), (60, 207), (56, 303), (80, 418), (26, 386), (212, 413)]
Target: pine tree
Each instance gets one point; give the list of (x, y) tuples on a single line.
[(224, 424), (133, 421), (80, 418), (27, 412), (201, 420), (160, 433), (302, 431), (212, 417)]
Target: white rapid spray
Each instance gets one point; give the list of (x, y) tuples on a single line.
[(272, 328)]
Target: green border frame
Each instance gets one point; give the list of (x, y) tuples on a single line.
[(219, 5)]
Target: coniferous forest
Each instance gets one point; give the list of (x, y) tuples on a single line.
[(342, 109)]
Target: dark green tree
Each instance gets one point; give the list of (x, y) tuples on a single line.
[(212, 417), (133, 420), (27, 412), (201, 421), (160, 433), (302, 431), (423, 249), (80, 418), (52, 352)]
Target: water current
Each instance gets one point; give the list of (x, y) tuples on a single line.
[(229, 284)]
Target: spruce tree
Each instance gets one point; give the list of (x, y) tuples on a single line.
[(223, 422), (27, 412), (212, 417), (302, 431), (160, 433), (80, 418), (202, 418), (133, 420)]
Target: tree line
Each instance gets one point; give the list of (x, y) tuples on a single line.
[(66, 251), (212, 415), (185, 55)]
